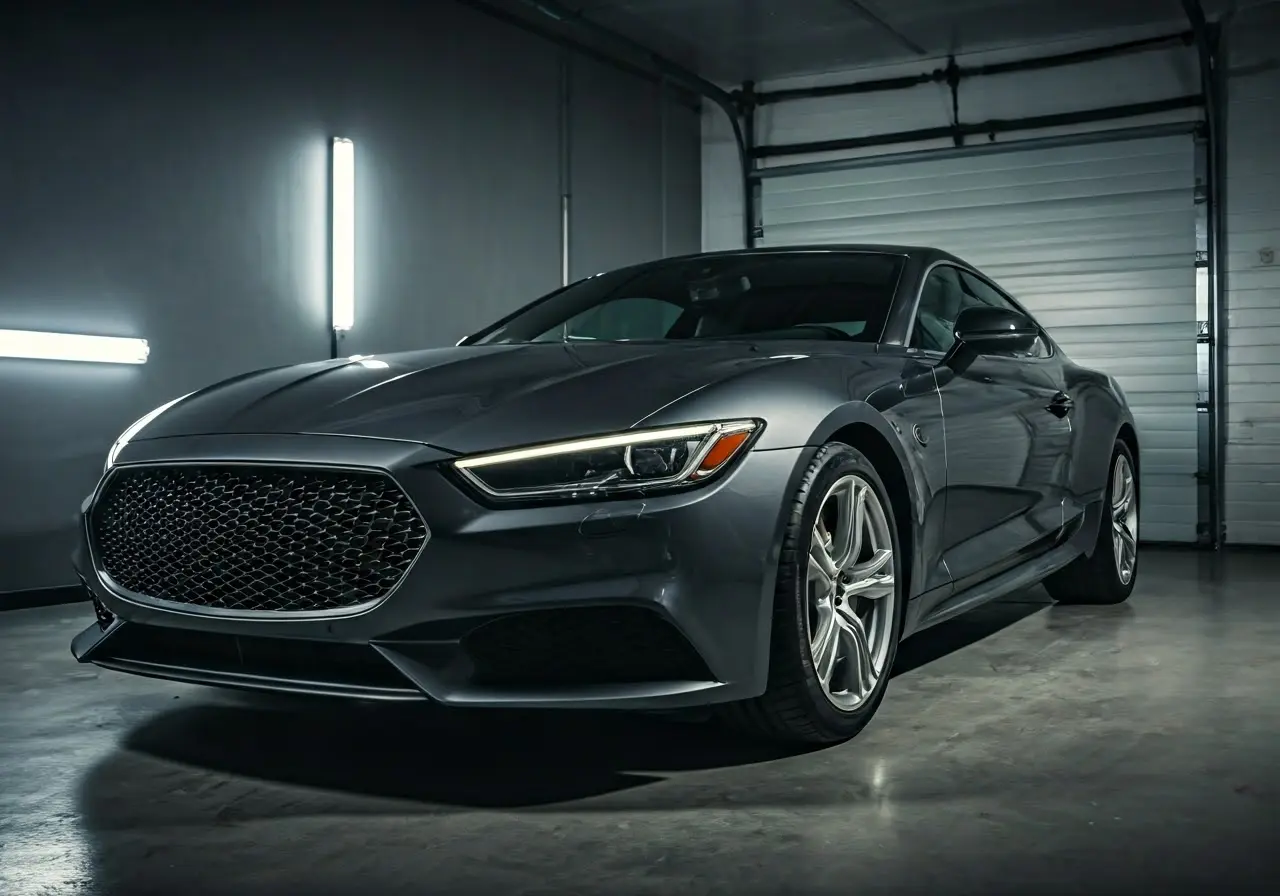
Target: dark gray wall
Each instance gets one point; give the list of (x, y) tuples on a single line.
[(630, 197), (165, 176)]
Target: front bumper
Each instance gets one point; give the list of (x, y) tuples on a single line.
[(661, 602)]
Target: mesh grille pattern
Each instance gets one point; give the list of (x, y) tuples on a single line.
[(255, 538)]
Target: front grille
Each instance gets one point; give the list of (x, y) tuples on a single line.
[(580, 647), (255, 538)]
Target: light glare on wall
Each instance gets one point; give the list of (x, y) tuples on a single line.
[(73, 347), (343, 286)]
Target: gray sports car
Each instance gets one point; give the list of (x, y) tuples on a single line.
[(737, 479)]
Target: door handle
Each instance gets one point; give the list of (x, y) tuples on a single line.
[(1060, 405)]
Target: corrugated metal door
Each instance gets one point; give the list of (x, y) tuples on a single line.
[(1252, 470), (1098, 241)]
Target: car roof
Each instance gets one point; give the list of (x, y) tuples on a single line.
[(926, 254)]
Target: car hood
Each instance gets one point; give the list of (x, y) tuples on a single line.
[(472, 398)]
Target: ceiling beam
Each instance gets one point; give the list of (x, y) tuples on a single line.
[(867, 15), (982, 128), (577, 45), (690, 80)]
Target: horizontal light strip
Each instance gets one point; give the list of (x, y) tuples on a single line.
[(73, 347), (595, 444)]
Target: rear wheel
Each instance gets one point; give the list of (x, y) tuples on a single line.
[(1108, 574), (838, 607)]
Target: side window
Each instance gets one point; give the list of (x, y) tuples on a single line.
[(947, 291), (941, 299), (629, 318), (980, 293)]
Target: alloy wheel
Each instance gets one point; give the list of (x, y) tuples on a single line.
[(1124, 519), (852, 595)]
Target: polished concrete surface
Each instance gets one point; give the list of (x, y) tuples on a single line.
[(1028, 749)]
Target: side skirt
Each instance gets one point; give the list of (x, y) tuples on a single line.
[(1077, 540)]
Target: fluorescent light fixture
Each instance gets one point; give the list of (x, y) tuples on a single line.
[(73, 347), (343, 210)]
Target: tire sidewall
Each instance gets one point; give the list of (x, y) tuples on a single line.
[(840, 460)]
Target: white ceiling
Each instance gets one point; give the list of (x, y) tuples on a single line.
[(729, 41)]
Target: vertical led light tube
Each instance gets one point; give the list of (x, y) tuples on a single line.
[(343, 211)]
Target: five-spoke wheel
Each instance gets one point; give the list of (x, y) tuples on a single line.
[(851, 591), (839, 604), (1124, 518)]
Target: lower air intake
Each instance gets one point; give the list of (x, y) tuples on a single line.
[(580, 647)]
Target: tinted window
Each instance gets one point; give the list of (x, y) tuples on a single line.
[(941, 300), (983, 293), (820, 295), (946, 292), (622, 319)]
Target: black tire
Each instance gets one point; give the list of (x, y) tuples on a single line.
[(793, 708), (1095, 578)]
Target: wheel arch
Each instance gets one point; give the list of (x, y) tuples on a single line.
[(862, 427), (1129, 436)]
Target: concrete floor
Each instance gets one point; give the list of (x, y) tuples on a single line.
[(1028, 749)]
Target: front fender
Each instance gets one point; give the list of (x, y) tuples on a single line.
[(861, 414), (814, 400), (1101, 413), (865, 422), (806, 402)]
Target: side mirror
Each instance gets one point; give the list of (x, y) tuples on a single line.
[(995, 330)]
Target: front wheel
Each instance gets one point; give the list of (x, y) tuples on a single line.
[(1107, 575), (838, 606)]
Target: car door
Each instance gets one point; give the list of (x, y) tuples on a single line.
[(1003, 498), (1051, 456)]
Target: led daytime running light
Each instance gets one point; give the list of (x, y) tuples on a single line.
[(716, 445)]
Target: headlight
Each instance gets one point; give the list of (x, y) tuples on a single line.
[(136, 427), (628, 461)]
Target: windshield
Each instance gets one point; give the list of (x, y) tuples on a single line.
[(813, 295)]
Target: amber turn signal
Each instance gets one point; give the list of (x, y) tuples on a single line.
[(725, 448)]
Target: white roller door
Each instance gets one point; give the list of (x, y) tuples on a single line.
[(1252, 471), (1098, 241)]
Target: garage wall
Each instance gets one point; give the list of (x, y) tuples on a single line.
[(1253, 279), (164, 175), (630, 185)]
